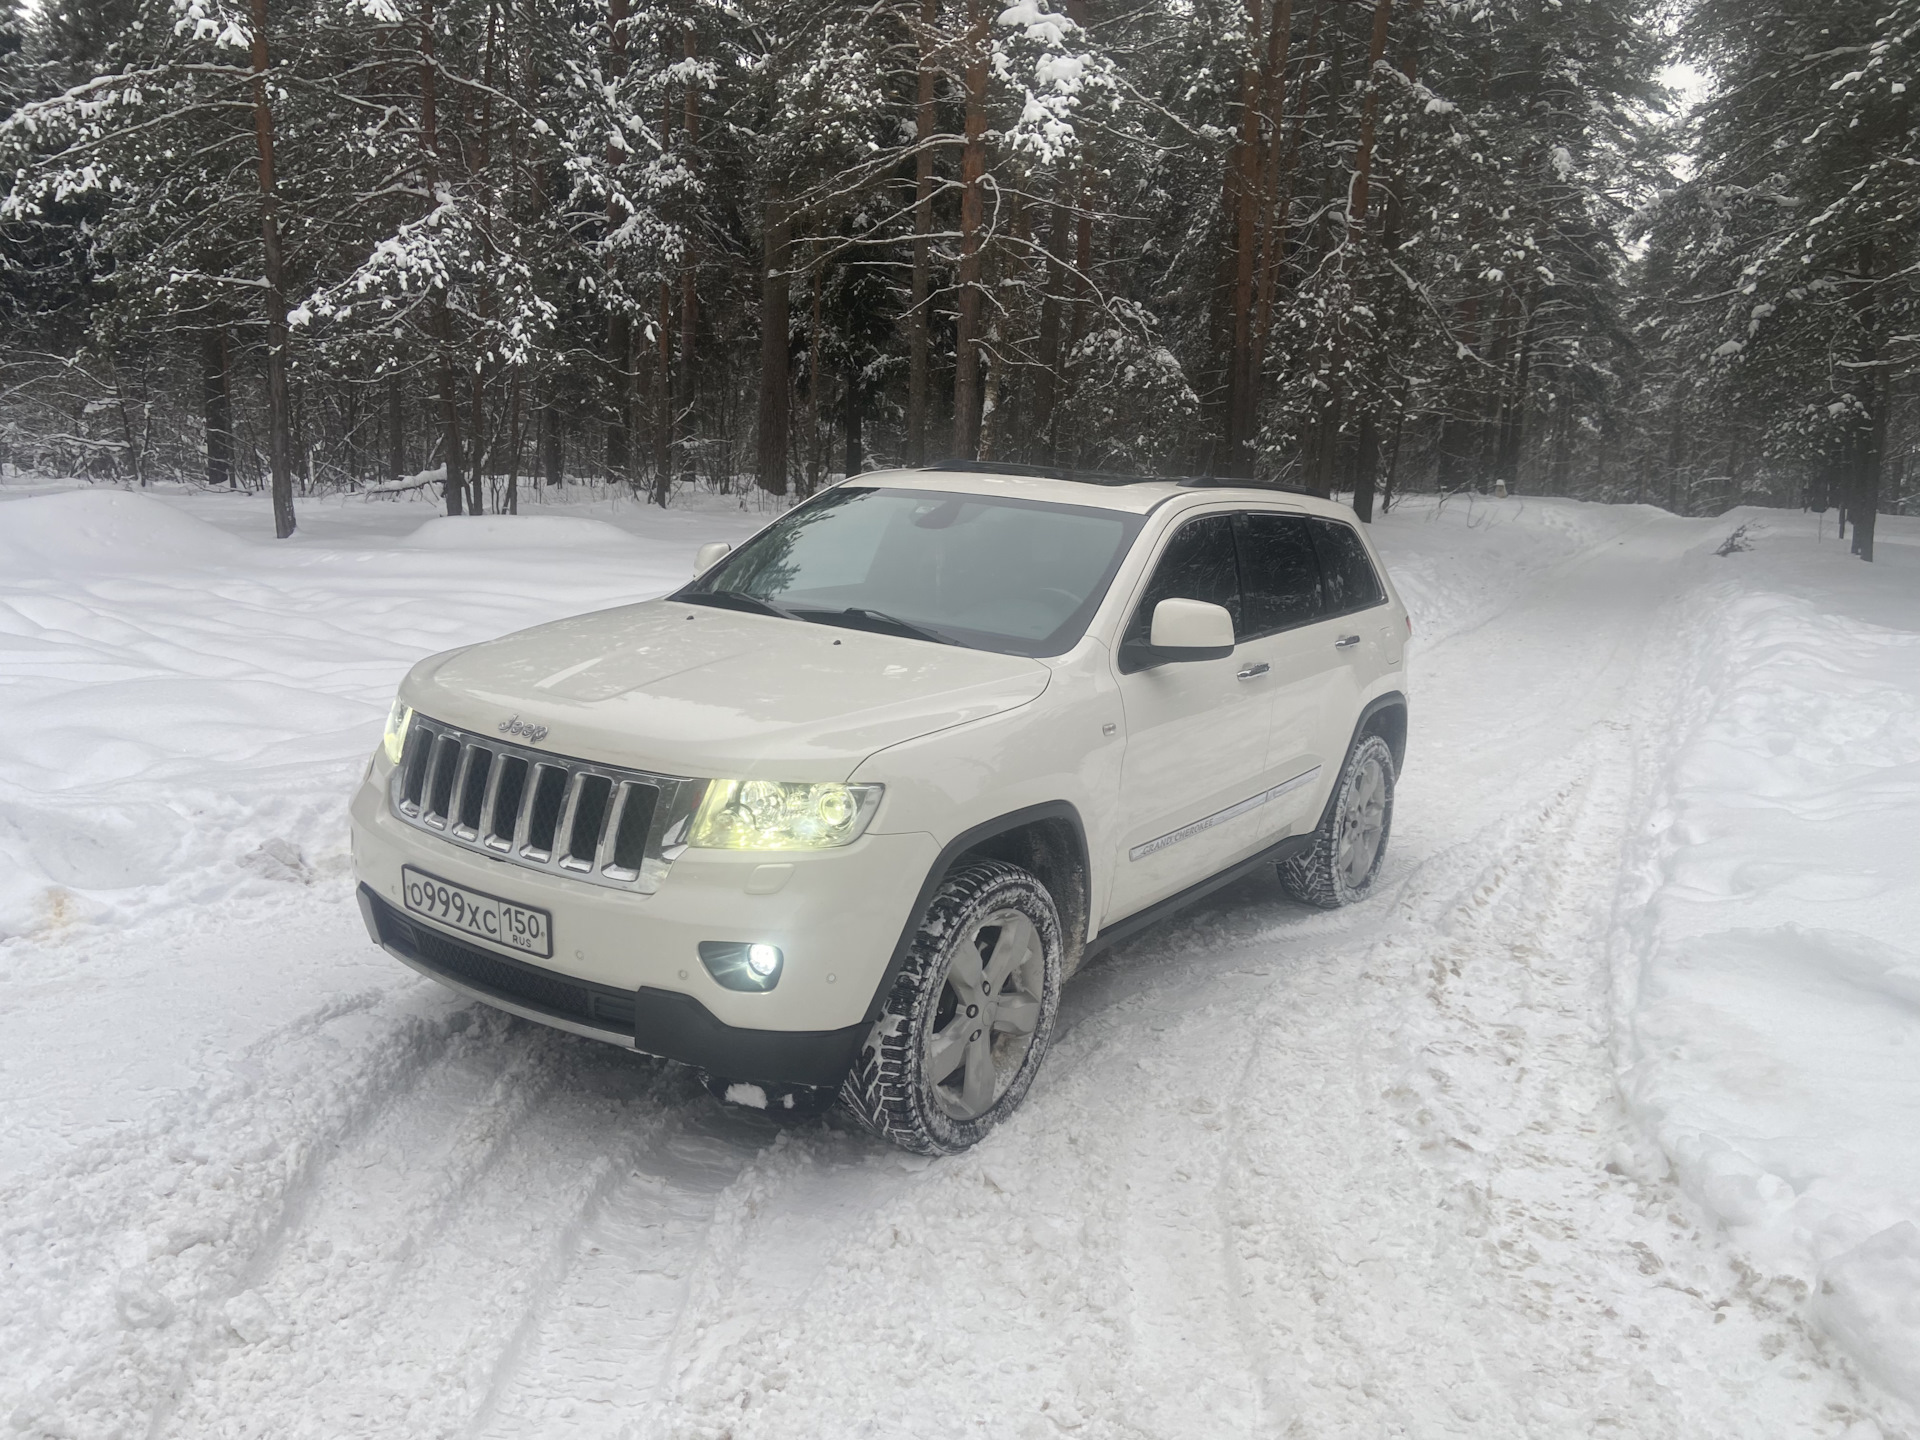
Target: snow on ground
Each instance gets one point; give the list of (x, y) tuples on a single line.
[(1774, 1032), (1520, 1147)]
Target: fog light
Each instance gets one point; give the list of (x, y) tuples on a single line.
[(741, 964)]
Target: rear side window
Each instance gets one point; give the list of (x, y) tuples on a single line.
[(1198, 564), (1279, 574), (1351, 581)]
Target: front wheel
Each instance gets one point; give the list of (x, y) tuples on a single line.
[(966, 1022), (1344, 859)]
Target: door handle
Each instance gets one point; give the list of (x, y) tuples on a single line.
[(1254, 671), (1346, 641)]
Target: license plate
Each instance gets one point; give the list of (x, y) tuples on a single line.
[(486, 917)]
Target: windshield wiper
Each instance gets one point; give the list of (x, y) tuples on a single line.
[(856, 617), (738, 600)]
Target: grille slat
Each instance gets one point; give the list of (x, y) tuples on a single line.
[(463, 814), (543, 818), (586, 822), (440, 772), (490, 799), (563, 830), (599, 823), (505, 804)]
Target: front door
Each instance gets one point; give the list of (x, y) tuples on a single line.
[(1197, 734)]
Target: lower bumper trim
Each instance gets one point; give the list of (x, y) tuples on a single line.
[(659, 1022)]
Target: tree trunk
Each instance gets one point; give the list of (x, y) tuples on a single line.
[(452, 487), (1513, 415), (1271, 226), (617, 437), (689, 291), (774, 324), (279, 402), (1560, 467), (351, 440), (218, 405), (1393, 453), (1357, 196), (664, 408), (1867, 468), (1243, 187), (992, 421), (550, 455), (396, 430), (619, 340), (478, 444), (512, 501), (1366, 465), (1869, 441), (973, 167), (854, 417), (1358, 193), (1327, 454), (917, 358), (816, 456), (1046, 384)]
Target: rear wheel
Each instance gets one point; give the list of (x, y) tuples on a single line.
[(1344, 859), (967, 1021)]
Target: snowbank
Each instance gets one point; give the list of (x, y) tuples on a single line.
[(184, 702), (117, 529), (1511, 540), (1773, 1039), (520, 533)]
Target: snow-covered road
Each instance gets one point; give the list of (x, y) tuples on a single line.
[(1366, 1173)]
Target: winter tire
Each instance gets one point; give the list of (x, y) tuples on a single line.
[(966, 1022), (1339, 868)]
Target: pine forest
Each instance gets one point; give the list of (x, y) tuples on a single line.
[(1357, 247)]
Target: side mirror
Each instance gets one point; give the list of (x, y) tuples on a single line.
[(1191, 630), (710, 555)]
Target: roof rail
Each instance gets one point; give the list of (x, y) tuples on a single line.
[(1110, 477)]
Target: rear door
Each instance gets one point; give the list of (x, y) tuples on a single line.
[(1307, 680), (1361, 622), (1197, 733)]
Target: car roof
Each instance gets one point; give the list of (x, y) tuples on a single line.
[(1134, 495)]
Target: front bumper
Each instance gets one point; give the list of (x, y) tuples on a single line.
[(659, 1022), (626, 967)]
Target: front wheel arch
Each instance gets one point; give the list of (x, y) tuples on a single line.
[(989, 838)]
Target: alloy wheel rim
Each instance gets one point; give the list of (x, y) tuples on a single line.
[(986, 1015), (1362, 823)]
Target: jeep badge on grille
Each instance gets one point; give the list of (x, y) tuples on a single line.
[(532, 734)]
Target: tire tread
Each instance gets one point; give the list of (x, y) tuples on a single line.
[(880, 1091)]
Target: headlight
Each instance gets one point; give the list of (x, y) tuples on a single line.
[(395, 740), (781, 815)]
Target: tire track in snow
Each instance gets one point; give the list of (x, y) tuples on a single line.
[(437, 1243), (151, 1226), (1492, 1271)]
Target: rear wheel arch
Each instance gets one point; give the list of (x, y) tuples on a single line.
[(1387, 718)]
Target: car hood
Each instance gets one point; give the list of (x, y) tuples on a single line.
[(695, 690)]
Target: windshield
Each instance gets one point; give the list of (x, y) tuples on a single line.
[(990, 573)]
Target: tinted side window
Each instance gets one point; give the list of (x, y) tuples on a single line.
[(1351, 583), (1198, 564), (1279, 572)]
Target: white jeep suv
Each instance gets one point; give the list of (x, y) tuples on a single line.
[(839, 817)]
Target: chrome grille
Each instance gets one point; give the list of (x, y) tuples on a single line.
[(600, 823)]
